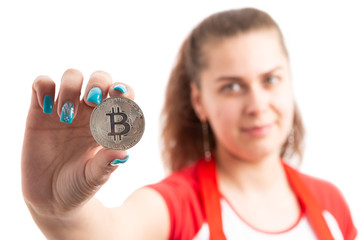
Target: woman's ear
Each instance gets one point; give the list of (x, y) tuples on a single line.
[(197, 102)]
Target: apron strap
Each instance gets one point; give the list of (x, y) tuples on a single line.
[(210, 198), (312, 207)]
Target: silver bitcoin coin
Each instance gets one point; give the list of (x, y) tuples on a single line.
[(117, 123)]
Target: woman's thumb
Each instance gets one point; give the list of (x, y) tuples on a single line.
[(99, 168)]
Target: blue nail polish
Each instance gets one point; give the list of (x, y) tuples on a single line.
[(121, 88), (94, 95), (67, 112), (48, 104), (119, 161)]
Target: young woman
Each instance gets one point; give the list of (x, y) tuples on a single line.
[(230, 122)]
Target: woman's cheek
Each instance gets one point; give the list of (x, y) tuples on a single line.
[(224, 118), (285, 106), (214, 113)]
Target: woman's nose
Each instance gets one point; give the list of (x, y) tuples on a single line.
[(256, 101)]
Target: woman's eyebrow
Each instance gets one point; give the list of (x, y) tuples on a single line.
[(229, 78), (241, 79), (272, 70)]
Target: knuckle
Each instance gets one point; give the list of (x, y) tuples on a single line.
[(70, 90), (71, 81), (74, 72), (97, 178), (100, 76), (42, 81)]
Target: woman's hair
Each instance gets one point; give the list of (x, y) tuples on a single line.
[(182, 138)]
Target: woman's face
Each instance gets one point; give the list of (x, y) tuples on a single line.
[(246, 94)]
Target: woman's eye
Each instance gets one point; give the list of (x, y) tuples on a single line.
[(272, 80), (232, 87)]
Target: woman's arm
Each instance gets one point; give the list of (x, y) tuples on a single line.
[(63, 167), (143, 215)]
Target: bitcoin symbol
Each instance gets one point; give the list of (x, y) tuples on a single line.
[(117, 118), (122, 122)]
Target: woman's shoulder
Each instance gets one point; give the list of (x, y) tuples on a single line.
[(184, 183), (325, 191), (331, 200), (180, 190)]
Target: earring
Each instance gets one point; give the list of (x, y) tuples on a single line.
[(291, 137), (206, 141), (289, 145)]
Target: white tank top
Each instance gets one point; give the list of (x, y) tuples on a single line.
[(236, 228)]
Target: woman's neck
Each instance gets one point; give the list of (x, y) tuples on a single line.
[(249, 176), (258, 190)]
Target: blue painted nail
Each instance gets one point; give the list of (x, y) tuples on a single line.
[(67, 112), (94, 95), (48, 104), (119, 161), (121, 88)]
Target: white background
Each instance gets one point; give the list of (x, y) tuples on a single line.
[(137, 42)]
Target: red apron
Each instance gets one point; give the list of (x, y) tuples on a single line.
[(210, 197)]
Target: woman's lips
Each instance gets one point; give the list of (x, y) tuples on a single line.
[(258, 131)]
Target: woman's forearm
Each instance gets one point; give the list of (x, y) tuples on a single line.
[(90, 221)]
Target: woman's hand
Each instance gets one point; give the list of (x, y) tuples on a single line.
[(62, 165)]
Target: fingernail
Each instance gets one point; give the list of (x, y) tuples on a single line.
[(67, 112), (94, 95), (117, 162), (120, 88), (48, 104)]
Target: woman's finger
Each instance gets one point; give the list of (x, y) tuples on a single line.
[(97, 88), (43, 94), (69, 95), (118, 89)]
